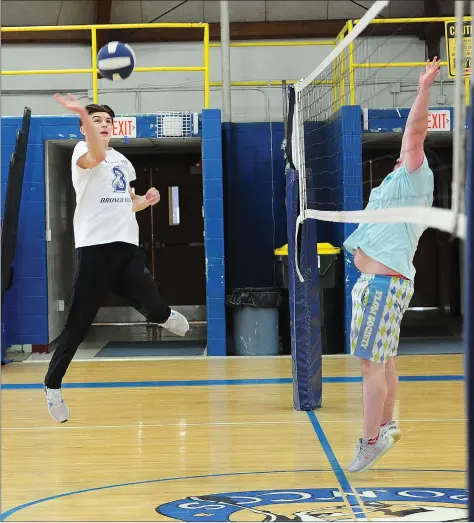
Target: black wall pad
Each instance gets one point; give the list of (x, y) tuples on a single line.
[(12, 202)]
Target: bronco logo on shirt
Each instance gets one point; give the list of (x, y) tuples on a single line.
[(119, 183)]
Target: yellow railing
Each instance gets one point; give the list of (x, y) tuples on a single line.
[(205, 68), (278, 43), (94, 70), (339, 69), (274, 43), (344, 71)]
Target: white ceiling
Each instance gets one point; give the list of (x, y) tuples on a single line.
[(62, 12)]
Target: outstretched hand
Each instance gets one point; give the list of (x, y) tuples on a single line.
[(428, 76), (152, 196), (70, 102)]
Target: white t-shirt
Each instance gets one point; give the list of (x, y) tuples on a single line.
[(103, 205)]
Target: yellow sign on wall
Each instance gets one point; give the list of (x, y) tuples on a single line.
[(450, 33)]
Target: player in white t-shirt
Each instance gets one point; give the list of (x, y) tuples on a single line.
[(106, 239)]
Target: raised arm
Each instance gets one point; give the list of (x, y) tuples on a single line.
[(96, 148), (416, 128)]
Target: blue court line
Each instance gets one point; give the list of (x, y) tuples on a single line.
[(346, 488), (214, 383)]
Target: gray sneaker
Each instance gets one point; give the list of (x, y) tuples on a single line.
[(391, 429), (176, 323), (57, 407), (367, 455)]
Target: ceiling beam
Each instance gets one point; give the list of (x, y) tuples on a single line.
[(73, 37), (238, 31), (102, 16), (284, 30), (432, 32)]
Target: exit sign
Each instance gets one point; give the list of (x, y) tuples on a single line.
[(439, 120), (125, 127)]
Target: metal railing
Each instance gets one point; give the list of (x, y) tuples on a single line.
[(340, 73), (94, 69), (344, 76)]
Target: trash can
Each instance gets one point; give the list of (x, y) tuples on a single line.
[(4, 344), (255, 321), (331, 294)]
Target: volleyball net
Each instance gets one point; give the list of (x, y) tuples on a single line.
[(337, 158), (326, 153)]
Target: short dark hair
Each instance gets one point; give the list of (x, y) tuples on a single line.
[(96, 108)]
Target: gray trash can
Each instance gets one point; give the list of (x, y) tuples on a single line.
[(255, 321)]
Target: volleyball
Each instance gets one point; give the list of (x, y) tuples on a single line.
[(116, 61)]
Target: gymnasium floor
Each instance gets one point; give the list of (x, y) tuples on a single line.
[(203, 439)]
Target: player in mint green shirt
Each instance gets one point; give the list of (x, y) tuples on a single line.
[(383, 253)]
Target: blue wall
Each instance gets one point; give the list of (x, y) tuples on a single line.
[(253, 188), (26, 303), (333, 152), (214, 231), (323, 159), (255, 213), (351, 160), (339, 175)]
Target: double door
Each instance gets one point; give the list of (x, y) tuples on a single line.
[(172, 232)]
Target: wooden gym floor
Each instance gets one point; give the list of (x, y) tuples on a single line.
[(219, 440)]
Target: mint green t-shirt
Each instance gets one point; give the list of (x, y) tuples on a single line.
[(395, 244)]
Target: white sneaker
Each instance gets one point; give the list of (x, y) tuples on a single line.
[(56, 405), (391, 429), (176, 323), (367, 455)]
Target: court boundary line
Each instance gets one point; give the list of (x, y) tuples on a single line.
[(355, 503), (87, 359), (83, 359), (216, 382), (213, 424)]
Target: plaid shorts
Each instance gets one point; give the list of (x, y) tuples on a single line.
[(378, 305)]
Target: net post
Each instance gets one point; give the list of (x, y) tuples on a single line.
[(468, 315), (469, 294), (298, 144), (303, 294), (305, 323), (459, 150)]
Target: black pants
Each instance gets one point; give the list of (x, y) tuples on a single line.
[(119, 267)]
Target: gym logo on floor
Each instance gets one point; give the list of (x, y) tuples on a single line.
[(394, 504)]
